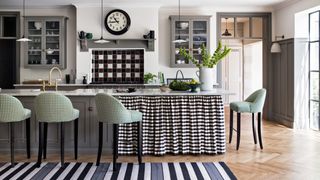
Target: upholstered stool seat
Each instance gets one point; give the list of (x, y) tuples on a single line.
[(253, 104), (55, 108), (11, 111), (112, 111)]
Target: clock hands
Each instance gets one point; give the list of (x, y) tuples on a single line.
[(115, 19)]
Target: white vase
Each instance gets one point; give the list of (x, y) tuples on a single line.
[(206, 78)]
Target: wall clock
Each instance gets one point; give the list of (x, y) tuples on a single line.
[(117, 22)]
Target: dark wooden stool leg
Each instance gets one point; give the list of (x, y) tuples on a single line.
[(231, 126), (28, 137), (12, 143), (139, 142), (40, 145), (259, 130), (238, 129), (115, 145), (76, 138), (62, 143), (100, 143), (45, 139), (254, 130)]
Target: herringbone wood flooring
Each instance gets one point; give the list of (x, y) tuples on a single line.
[(287, 154)]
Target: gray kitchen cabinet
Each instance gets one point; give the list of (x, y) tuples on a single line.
[(196, 31), (48, 45)]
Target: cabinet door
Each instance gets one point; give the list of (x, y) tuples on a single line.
[(52, 42), (199, 38), (35, 31), (181, 31)]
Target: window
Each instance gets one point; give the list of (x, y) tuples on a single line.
[(314, 66)]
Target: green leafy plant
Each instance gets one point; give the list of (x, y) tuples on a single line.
[(208, 60), (177, 85), (149, 77)]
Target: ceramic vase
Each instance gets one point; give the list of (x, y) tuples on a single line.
[(206, 76)]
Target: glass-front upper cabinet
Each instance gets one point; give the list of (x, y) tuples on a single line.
[(47, 48), (194, 30)]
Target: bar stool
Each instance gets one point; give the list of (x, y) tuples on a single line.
[(253, 104), (112, 111), (11, 111), (55, 108)]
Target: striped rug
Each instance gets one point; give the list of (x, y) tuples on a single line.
[(127, 171)]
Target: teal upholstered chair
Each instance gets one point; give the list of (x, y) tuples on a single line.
[(55, 108), (12, 111), (112, 111), (253, 104)]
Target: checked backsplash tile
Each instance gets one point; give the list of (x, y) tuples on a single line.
[(118, 66)]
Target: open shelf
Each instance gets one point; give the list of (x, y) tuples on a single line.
[(147, 44)]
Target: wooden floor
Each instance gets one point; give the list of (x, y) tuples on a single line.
[(287, 154)]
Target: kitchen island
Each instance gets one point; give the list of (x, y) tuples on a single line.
[(173, 122)]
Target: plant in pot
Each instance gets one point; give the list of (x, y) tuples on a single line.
[(149, 78), (207, 63)]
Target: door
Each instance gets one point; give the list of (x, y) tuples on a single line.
[(234, 74), (7, 63)]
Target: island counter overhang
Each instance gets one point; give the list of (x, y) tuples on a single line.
[(173, 122)]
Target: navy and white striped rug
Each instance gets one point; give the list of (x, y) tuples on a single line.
[(128, 171)]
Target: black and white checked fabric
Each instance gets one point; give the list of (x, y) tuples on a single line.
[(176, 125)]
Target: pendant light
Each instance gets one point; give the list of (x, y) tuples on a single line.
[(179, 40), (101, 40), (23, 38), (226, 32)]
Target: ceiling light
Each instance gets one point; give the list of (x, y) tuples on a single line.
[(179, 40), (226, 32), (23, 38), (101, 40)]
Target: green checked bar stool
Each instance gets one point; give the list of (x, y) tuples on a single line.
[(55, 108), (112, 111), (253, 104), (11, 111)]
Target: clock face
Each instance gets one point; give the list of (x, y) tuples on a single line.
[(117, 22)]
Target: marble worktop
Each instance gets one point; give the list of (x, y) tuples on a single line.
[(90, 85), (93, 92)]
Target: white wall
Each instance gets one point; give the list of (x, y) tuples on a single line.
[(68, 11), (142, 21), (284, 15)]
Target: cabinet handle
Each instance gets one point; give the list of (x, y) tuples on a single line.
[(90, 108)]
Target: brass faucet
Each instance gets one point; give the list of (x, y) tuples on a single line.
[(50, 83)]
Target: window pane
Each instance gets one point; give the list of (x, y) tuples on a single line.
[(314, 85), (314, 115), (314, 26), (314, 56), (243, 26), (227, 27), (256, 27)]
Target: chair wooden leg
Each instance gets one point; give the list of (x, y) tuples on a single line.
[(40, 145), (231, 126), (259, 130), (115, 145), (100, 143), (139, 141), (28, 137), (238, 129), (254, 130), (45, 139), (12, 143), (76, 138), (62, 143)]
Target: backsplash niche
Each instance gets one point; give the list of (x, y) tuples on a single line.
[(118, 66)]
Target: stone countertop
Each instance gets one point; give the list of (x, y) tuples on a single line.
[(86, 85), (93, 92)]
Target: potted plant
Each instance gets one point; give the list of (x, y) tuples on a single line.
[(207, 63), (149, 78)]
